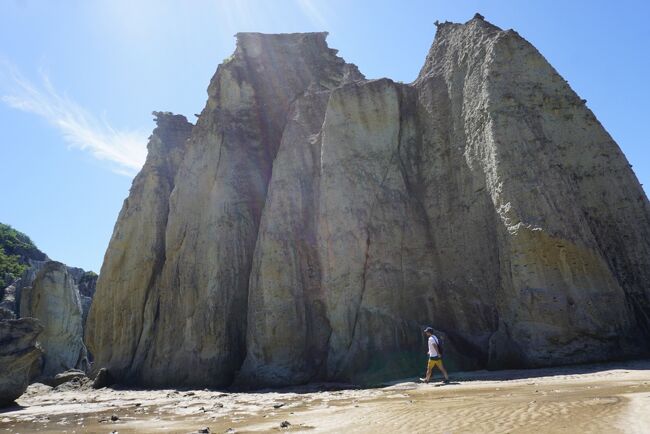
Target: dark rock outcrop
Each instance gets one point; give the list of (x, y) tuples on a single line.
[(6, 314), (86, 283), (312, 221), (8, 296), (103, 379), (18, 351)]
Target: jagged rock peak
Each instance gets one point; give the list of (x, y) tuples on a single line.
[(253, 44), (248, 41), (267, 52), (172, 130), (169, 120), (477, 19), (166, 146), (454, 42)]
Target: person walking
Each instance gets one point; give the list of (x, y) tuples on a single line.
[(435, 355)]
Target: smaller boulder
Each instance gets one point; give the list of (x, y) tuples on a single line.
[(36, 389), (103, 379), (77, 383)]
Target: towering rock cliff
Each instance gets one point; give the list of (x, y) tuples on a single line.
[(173, 288), (129, 309), (312, 221)]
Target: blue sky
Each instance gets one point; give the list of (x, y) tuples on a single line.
[(79, 80)]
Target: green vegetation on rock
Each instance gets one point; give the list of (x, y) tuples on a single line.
[(88, 275), (16, 249)]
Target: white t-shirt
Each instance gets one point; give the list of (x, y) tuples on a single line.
[(432, 349)]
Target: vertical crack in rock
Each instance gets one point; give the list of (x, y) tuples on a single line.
[(363, 288)]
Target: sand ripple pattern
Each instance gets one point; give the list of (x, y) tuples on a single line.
[(604, 399), (488, 413)]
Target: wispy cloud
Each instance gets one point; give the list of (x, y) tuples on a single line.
[(124, 151)]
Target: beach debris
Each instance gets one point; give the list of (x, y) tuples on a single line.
[(65, 377), (112, 418)]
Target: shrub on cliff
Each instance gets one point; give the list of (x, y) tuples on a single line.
[(16, 249)]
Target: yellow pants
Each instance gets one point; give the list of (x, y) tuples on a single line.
[(432, 363)]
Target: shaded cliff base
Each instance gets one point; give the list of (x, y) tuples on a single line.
[(588, 398)]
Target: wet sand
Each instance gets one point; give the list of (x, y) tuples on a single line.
[(607, 398)]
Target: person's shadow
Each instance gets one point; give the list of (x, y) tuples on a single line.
[(451, 383)]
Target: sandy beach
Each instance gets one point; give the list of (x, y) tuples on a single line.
[(603, 398)]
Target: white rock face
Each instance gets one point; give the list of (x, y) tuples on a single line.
[(312, 222), (54, 300)]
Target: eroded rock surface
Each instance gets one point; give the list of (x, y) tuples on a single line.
[(18, 351), (53, 299), (312, 221)]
